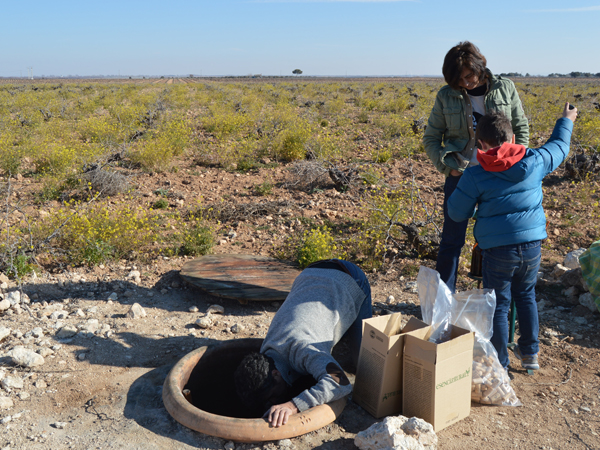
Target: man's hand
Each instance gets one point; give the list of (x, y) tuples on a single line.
[(278, 414), (570, 113), (455, 173)]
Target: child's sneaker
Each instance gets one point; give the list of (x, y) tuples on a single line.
[(529, 362)]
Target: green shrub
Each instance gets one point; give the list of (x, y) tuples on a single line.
[(317, 244), (197, 240), (161, 203), (264, 189)]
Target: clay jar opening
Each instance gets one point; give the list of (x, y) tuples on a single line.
[(211, 383)]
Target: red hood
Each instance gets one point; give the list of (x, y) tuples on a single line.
[(501, 158)]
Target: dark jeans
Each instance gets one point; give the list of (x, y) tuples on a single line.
[(453, 239), (354, 333), (511, 270)]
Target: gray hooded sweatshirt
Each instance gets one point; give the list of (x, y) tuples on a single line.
[(321, 306)]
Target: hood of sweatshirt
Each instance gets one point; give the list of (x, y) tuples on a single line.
[(499, 159)]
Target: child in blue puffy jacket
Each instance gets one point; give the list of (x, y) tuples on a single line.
[(506, 189)]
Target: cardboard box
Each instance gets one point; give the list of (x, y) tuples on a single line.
[(437, 378), (378, 382)]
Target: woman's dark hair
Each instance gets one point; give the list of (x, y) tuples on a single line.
[(494, 129), (254, 380), (464, 55)]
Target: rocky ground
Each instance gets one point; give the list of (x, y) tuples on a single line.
[(94, 376)]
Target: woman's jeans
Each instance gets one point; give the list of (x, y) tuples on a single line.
[(511, 270), (453, 239)]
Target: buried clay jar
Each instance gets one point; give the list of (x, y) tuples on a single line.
[(199, 393)]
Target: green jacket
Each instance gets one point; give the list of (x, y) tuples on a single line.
[(449, 139)]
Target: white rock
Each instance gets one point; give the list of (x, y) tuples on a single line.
[(27, 358), (37, 332), (25, 298), (113, 296), (59, 425), (136, 311), (193, 309), (237, 328), (230, 445), (285, 443), (571, 292), (12, 382), (78, 313), (61, 314), (558, 271), (66, 332), (2, 374), (4, 421), (204, 322), (4, 305), (40, 384), (89, 326), (587, 300), (398, 433), (4, 332), (81, 356), (23, 395), (45, 351), (14, 297), (572, 258), (411, 286), (215, 309), (6, 403), (390, 299)]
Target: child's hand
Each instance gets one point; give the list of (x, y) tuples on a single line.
[(570, 113)]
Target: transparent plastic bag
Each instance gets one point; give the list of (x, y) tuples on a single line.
[(472, 310)]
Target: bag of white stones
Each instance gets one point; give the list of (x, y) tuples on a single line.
[(474, 311)]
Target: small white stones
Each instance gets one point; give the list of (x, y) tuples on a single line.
[(4, 305), (90, 326), (136, 311), (390, 299), (45, 352), (204, 322), (37, 332), (40, 384), (12, 382), (66, 332), (113, 296), (193, 309), (26, 358), (14, 297), (59, 425), (4, 332), (237, 328), (215, 309), (5, 402)]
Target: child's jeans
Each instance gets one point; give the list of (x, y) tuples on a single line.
[(511, 270)]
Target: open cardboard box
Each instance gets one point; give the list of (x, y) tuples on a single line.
[(378, 382), (437, 378)]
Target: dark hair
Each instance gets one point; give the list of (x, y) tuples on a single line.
[(254, 380), (494, 129), (464, 55)]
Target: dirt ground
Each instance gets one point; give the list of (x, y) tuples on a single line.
[(101, 388)]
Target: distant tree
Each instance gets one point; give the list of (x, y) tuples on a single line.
[(297, 72)]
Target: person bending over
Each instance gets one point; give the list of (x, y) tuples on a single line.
[(328, 300)]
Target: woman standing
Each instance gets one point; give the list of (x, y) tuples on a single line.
[(449, 139)]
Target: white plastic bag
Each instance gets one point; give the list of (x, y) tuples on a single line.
[(472, 310)]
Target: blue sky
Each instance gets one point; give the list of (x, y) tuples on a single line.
[(274, 37)]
